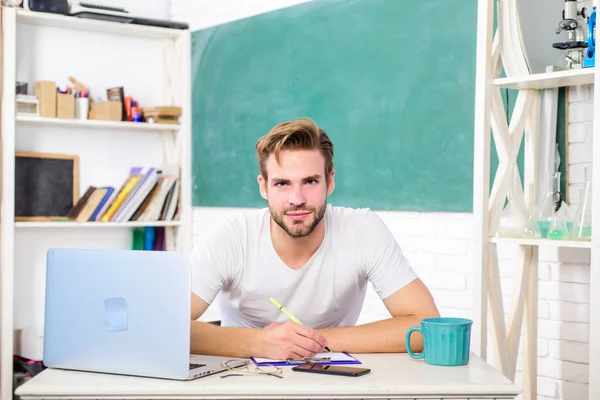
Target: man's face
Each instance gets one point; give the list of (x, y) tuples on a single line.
[(296, 190)]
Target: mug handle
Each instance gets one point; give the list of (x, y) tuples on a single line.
[(408, 349)]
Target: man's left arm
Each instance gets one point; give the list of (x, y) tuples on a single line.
[(405, 296), (407, 306)]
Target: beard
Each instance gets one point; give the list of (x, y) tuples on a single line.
[(298, 229)]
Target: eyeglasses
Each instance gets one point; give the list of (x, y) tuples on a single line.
[(249, 368)]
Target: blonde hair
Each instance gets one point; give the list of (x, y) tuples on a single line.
[(301, 134)]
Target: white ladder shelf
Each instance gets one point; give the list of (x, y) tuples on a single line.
[(497, 51)]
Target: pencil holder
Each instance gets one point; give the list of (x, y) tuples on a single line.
[(82, 107), (45, 91), (65, 105), (106, 110)]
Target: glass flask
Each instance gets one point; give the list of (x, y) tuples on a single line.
[(559, 229), (513, 219), (532, 230), (582, 223), (552, 213), (569, 214)]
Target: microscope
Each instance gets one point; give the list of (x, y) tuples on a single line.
[(575, 44)]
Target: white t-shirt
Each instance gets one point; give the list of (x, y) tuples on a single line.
[(237, 258)]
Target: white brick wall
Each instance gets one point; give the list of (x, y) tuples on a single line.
[(440, 249)]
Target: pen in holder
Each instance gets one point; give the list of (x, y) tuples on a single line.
[(82, 106)]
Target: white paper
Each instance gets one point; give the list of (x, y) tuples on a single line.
[(333, 356)]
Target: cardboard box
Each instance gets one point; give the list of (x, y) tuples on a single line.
[(45, 91), (65, 105), (107, 111)]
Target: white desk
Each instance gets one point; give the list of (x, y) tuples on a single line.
[(393, 376)]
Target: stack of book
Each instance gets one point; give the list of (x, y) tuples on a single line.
[(162, 115), (149, 238), (147, 194)]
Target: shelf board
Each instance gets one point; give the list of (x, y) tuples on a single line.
[(90, 123), (119, 28), (542, 242), (72, 224), (547, 80)]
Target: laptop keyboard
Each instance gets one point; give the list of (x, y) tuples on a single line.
[(192, 365)]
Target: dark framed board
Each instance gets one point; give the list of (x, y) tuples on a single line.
[(46, 185)]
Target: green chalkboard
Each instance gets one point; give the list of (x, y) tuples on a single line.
[(392, 82)]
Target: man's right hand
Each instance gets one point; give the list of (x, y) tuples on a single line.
[(290, 340)]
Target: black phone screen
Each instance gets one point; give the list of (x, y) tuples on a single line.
[(331, 369)]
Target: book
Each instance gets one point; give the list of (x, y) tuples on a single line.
[(109, 192), (73, 212), (147, 194), (137, 195), (134, 176)]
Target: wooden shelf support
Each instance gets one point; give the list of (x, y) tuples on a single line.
[(504, 53)]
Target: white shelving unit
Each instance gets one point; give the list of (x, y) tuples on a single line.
[(542, 242), (497, 51), (88, 25), (174, 143), (91, 124), (548, 80), (95, 225)]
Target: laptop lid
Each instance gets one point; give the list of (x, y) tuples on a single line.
[(118, 311)]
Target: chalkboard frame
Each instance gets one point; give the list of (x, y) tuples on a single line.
[(71, 157)]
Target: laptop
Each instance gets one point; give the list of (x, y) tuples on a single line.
[(123, 312)]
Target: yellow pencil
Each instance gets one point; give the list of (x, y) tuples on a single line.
[(289, 314), (285, 311)]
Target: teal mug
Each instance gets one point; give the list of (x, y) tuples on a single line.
[(446, 341)]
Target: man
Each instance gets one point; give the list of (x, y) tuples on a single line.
[(313, 258)]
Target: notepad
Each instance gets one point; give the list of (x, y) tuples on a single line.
[(333, 358)]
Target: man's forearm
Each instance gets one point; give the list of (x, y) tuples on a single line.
[(386, 336), (215, 340)]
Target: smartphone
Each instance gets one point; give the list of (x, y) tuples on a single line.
[(331, 369)]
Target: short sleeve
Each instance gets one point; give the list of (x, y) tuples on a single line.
[(216, 256), (385, 265)]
